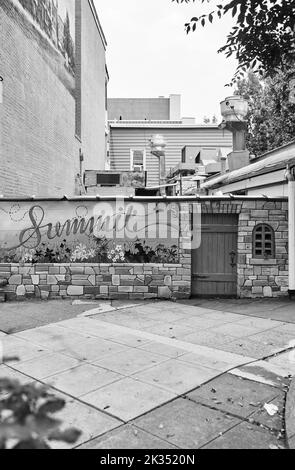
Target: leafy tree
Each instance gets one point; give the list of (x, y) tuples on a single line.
[(26, 417), (263, 37), (271, 117)]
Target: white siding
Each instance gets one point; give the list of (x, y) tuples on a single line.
[(124, 139)]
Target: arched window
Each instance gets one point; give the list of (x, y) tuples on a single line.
[(263, 241)]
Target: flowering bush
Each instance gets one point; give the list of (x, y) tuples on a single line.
[(92, 250), (81, 253), (116, 255)]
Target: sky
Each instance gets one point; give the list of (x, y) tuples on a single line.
[(149, 53)]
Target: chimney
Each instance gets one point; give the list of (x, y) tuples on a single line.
[(175, 108), (234, 110)]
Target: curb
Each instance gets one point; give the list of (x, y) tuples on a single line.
[(290, 415)]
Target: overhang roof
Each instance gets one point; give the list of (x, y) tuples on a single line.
[(159, 124), (274, 160)]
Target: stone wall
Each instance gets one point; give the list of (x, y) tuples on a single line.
[(258, 277), (101, 281), (263, 277), (255, 277)]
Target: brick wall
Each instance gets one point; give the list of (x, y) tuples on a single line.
[(93, 89), (39, 151), (37, 118)]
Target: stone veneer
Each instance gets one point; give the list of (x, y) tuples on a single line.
[(263, 277), (258, 277), (101, 281)]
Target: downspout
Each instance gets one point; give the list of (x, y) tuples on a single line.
[(290, 175)]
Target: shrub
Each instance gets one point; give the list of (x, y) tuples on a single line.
[(26, 420)]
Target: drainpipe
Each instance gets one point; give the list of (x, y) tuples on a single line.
[(290, 175)]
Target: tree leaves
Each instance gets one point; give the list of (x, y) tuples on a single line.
[(263, 37), (26, 417), (271, 118)]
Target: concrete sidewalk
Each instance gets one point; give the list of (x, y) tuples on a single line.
[(163, 375)]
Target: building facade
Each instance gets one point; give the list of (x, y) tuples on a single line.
[(145, 109), (53, 104), (129, 145)]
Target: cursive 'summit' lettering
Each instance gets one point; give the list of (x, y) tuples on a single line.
[(34, 233)]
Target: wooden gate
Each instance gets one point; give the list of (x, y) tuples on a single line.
[(214, 264)]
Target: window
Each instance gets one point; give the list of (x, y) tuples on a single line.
[(137, 160), (263, 242)]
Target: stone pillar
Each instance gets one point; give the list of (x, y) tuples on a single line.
[(291, 186)]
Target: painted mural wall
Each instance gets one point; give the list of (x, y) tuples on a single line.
[(89, 232), (56, 18)]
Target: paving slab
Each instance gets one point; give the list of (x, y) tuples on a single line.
[(185, 424), (82, 380), (127, 437), (176, 376), (53, 337), (264, 372), (285, 361), (206, 361), (275, 309), (222, 317), (131, 361), (208, 338), (248, 347), (171, 330), (92, 423), (288, 328), (234, 395), (94, 349), (275, 338), (46, 365), (164, 350), (276, 422), (200, 323), (11, 374), (237, 330), (128, 339), (18, 350), (246, 436), (128, 398), (260, 324)]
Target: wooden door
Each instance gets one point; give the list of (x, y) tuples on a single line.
[(214, 264)]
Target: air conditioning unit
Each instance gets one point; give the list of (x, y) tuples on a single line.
[(108, 179)]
